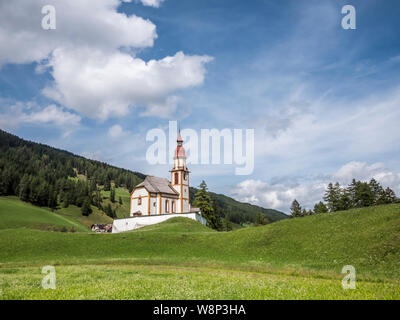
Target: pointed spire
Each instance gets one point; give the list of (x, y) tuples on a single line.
[(179, 137)]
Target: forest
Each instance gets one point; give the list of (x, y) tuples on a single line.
[(49, 177)]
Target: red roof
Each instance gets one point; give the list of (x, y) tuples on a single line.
[(180, 150), (179, 137)]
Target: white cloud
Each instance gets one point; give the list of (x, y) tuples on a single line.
[(150, 3), (91, 56), (329, 130), (30, 113), (91, 23), (280, 195), (115, 131), (102, 85)]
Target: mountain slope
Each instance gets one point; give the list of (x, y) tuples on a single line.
[(367, 238), (181, 259), (17, 214), (26, 165)]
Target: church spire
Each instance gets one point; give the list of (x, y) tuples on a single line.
[(179, 140)]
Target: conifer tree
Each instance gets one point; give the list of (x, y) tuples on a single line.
[(261, 219), (364, 195), (295, 209), (376, 189), (86, 208), (202, 200), (24, 188), (226, 224), (332, 196), (107, 185), (112, 195), (320, 207)]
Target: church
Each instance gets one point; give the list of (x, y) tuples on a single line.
[(158, 199)]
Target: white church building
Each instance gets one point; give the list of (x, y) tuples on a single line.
[(157, 199)]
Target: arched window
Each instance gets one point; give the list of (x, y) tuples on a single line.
[(176, 178), (173, 206), (166, 206), (139, 201)]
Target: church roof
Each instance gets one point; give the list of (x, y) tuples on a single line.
[(157, 185), (180, 151)]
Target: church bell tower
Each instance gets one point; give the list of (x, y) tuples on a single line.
[(180, 177)]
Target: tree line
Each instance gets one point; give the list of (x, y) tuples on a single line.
[(357, 194), (49, 177), (45, 176)]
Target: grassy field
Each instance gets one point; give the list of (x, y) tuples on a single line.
[(17, 214), (181, 259)]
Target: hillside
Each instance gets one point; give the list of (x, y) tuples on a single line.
[(49, 177), (17, 214), (368, 238), (295, 258)]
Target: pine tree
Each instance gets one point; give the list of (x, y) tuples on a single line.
[(86, 208), (344, 202), (376, 189), (320, 207), (107, 185), (295, 209), (261, 219), (52, 203), (112, 195), (387, 196), (226, 224), (24, 186), (109, 211), (364, 195), (203, 201), (332, 196)]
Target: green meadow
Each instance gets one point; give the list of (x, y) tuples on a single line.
[(181, 259)]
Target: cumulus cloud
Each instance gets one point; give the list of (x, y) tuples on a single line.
[(30, 113), (91, 56), (102, 85), (280, 195), (92, 23)]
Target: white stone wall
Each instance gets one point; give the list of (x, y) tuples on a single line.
[(153, 205), (142, 192), (121, 225)]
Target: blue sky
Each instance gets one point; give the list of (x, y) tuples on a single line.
[(323, 101)]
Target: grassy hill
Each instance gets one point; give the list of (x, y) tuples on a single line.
[(181, 259), (41, 174), (17, 214)]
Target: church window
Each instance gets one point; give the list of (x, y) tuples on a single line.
[(166, 206), (139, 201), (176, 178), (173, 206)]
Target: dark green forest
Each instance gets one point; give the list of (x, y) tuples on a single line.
[(46, 176)]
